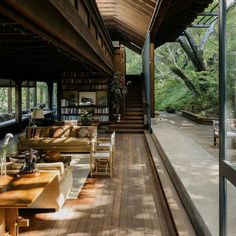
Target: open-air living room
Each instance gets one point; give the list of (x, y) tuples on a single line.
[(117, 117)]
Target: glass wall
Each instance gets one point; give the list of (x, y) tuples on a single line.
[(42, 94), (227, 71)]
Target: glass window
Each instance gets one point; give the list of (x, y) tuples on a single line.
[(230, 121)]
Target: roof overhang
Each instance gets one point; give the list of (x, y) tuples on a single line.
[(130, 20)]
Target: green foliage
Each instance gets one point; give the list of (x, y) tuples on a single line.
[(133, 63), (86, 117), (171, 91), (117, 90), (171, 94), (3, 100)]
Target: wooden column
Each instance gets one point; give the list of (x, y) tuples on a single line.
[(18, 105), (59, 94), (35, 95), (152, 78), (9, 100), (50, 95), (27, 96)]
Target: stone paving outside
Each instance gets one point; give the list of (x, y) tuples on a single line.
[(190, 150), (201, 134)]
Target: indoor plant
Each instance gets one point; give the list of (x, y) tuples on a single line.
[(86, 117), (117, 90)]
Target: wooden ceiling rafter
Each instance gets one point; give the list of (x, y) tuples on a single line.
[(136, 7), (121, 34), (166, 19), (128, 17), (130, 33), (131, 46), (178, 16)]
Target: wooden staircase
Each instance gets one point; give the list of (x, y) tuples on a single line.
[(133, 120)]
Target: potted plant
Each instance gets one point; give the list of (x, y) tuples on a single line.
[(117, 90), (86, 118)]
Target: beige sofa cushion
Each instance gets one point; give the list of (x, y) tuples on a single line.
[(61, 138)]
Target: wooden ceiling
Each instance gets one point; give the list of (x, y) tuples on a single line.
[(128, 21), (24, 54), (39, 40)]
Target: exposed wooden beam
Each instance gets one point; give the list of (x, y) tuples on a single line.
[(126, 28), (131, 46), (158, 16), (61, 26), (137, 7)]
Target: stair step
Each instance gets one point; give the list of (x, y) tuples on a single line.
[(128, 131), (134, 113), (134, 110), (134, 117), (131, 121), (127, 126), (133, 105), (137, 99)]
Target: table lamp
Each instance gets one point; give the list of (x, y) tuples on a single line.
[(36, 115)]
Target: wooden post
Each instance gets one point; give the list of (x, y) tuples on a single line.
[(9, 95), (35, 95), (11, 218), (59, 94), (18, 104), (50, 94), (27, 96), (152, 77)]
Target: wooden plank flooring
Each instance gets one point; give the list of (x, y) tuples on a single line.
[(123, 205)]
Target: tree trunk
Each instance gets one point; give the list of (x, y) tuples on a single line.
[(186, 80)]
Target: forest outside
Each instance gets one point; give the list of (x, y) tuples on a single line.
[(186, 72)]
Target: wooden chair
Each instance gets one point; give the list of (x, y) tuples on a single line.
[(215, 130), (231, 132), (101, 157), (105, 142)]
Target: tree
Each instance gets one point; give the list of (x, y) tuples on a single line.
[(133, 62), (195, 63)]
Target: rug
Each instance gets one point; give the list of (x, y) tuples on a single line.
[(80, 169)]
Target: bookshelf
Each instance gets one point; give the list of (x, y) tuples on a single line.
[(81, 92)]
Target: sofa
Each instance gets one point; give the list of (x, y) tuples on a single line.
[(58, 138)]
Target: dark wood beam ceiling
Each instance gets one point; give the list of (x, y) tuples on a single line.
[(25, 55), (130, 20), (59, 24), (178, 15)]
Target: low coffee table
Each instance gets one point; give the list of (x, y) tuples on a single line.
[(20, 192)]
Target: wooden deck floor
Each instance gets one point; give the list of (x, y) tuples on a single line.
[(127, 204)]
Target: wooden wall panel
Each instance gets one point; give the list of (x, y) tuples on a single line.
[(84, 14)]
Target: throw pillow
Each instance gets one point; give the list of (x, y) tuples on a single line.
[(58, 132), (67, 130), (84, 132)]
